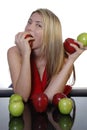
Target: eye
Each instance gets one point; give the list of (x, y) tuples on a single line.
[(29, 22), (39, 25)]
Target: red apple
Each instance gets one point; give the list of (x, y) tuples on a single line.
[(40, 102), (30, 41), (68, 47), (57, 97), (28, 35), (67, 89)]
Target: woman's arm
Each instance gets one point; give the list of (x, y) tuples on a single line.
[(19, 65), (20, 72), (58, 82)]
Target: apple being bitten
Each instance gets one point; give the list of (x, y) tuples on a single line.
[(68, 48), (30, 41), (82, 38)]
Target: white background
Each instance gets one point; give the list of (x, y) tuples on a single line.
[(13, 18)]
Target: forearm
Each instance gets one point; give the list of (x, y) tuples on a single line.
[(57, 84), (23, 84)]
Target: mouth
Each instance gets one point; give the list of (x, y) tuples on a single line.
[(30, 41), (28, 35)]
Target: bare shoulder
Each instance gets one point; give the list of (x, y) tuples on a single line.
[(12, 50), (13, 53)]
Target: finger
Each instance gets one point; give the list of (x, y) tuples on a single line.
[(79, 43)]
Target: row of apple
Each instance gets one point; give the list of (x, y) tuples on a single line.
[(40, 103)]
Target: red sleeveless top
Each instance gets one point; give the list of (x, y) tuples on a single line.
[(39, 86)]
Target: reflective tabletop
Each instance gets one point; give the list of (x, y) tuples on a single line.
[(49, 120)]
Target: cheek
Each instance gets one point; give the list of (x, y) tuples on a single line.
[(39, 36)]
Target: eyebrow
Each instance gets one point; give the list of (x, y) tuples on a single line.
[(36, 21)]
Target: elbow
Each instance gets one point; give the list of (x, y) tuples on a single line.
[(25, 99)]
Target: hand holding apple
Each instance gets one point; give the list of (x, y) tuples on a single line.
[(40, 102), (30, 41), (82, 37), (68, 47)]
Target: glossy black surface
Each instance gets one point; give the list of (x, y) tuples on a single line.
[(75, 92), (50, 120)]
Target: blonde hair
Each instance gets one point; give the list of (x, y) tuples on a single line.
[(52, 41)]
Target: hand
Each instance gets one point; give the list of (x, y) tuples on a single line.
[(78, 52), (23, 43)]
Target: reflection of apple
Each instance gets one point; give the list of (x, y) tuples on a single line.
[(16, 123), (65, 122), (57, 97), (16, 105), (40, 102), (82, 38), (65, 105), (68, 47), (40, 122)]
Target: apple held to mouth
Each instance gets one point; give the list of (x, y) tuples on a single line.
[(28, 35), (40, 102), (82, 38), (68, 48), (16, 105), (57, 97), (65, 105), (30, 41)]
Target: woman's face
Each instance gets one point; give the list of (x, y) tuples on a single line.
[(35, 28)]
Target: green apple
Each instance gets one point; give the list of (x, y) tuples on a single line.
[(82, 38), (15, 97), (16, 105), (65, 105), (16, 108)]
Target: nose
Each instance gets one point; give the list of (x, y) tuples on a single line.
[(30, 27)]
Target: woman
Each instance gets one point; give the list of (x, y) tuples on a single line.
[(41, 65)]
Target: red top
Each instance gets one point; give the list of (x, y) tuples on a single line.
[(39, 86)]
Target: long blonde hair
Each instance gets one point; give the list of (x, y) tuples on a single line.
[(52, 41)]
